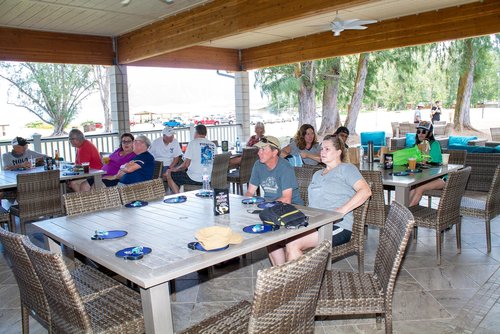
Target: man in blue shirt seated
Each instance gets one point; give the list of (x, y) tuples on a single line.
[(141, 167)]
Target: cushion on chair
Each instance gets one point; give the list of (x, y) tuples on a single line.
[(377, 137), (411, 139), (460, 140), (475, 149)]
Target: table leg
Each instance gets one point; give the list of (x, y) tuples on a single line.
[(157, 309), (403, 195), (325, 233)]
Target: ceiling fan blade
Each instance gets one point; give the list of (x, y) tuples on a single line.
[(356, 28), (337, 31)]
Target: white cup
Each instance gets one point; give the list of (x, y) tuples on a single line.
[(445, 157)]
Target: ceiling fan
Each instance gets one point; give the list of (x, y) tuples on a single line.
[(338, 25)]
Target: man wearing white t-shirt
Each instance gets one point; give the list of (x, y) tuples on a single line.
[(199, 155), (166, 149)]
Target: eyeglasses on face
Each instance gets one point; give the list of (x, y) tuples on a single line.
[(420, 131), (127, 141)]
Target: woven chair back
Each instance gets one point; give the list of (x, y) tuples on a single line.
[(248, 159), (157, 170), (376, 208), (39, 195), (448, 212), (218, 178), (144, 191), (30, 288), (457, 157), (304, 176), (495, 134), (94, 200), (66, 305), (392, 244), (358, 226), (286, 296), (493, 198)]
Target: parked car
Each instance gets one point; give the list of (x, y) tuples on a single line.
[(206, 121), (224, 119), (174, 123)]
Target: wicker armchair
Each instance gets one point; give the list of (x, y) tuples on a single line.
[(357, 243), (144, 191), (284, 300), (242, 175), (94, 200), (377, 210), (89, 281), (157, 170), (345, 293), (72, 312), (218, 179), (457, 157), (448, 211), (487, 207), (304, 176), (4, 218), (38, 195)]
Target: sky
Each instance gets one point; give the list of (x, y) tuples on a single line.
[(161, 90)]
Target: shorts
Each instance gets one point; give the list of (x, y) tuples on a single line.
[(181, 178), (340, 237)]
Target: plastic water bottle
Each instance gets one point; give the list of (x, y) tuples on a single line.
[(205, 180), (238, 144)]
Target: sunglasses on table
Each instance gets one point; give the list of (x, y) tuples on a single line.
[(420, 131)]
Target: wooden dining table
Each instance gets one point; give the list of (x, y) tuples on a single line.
[(167, 229), (8, 178), (403, 184)]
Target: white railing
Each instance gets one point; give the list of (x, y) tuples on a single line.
[(107, 142)]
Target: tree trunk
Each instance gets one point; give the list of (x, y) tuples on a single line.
[(307, 93), (330, 120), (461, 118), (357, 95), (102, 78)]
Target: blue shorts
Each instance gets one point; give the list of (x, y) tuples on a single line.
[(181, 178)]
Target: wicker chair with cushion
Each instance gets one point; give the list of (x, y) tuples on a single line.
[(457, 157), (486, 207), (157, 170), (284, 300), (89, 281), (38, 195), (143, 191), (448, 212), (100, 199), (357, 243), (377, 210), (218, 179), (242, 175), (116, 310), (345, 293)]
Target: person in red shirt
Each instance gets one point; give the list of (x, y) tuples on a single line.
[(85, 152)]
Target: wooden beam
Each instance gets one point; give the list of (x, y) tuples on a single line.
[(475, 19), (50, 47), (218, 19), (200, 57)]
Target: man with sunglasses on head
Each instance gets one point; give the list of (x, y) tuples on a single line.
[(277, 178), (429, 146)]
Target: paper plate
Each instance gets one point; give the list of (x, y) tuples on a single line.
[(126, 253), (205, 194), (253, 200), (197, 246), (178, 199), (267, 204), (400, 174), (414, 171), (136, 204), (258, 228), (102, 235)]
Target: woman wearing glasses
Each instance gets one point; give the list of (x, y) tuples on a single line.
[(119, 157), (429, 146)]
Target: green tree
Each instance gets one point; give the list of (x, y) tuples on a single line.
[(53, 92), (102, 81)]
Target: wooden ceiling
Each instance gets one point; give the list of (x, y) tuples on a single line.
[(227, 34)]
